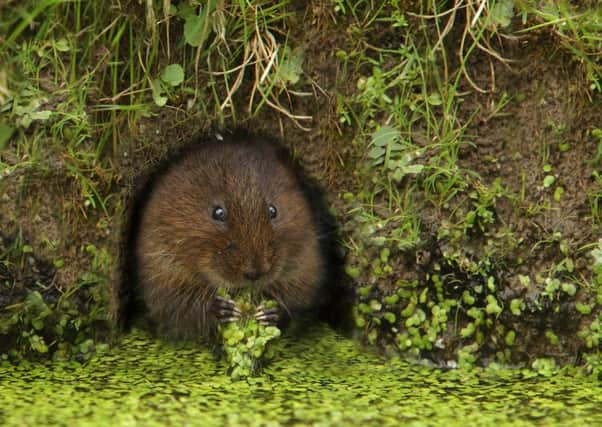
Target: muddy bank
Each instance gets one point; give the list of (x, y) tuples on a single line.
[(479, 248)]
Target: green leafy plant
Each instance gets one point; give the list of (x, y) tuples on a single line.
[(395, 155), (172, 76)]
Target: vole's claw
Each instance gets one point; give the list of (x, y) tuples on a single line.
[(225, 310), (227, 319), (267, 317), (226, 304)]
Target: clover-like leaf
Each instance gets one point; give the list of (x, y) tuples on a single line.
[(173, 74)]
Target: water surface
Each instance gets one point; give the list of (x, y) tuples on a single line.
[(318, 379)]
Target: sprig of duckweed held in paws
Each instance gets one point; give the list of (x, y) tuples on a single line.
[(245, 341)]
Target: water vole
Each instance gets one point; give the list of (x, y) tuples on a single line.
[(228, 213)]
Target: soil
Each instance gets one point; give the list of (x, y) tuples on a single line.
[(550, 108)]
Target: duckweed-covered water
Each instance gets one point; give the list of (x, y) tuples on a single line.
[(319, 378)]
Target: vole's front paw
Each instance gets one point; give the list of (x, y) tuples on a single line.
[(267, 316), (225, 310)]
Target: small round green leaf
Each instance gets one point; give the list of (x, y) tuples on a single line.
[(173, 74)]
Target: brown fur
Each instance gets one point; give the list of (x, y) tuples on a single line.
[(183, 255)]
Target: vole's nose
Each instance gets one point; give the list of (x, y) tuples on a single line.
[(253, 274), (256, 271)]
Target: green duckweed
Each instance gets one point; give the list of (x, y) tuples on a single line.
[(320, 378), (245, 342)]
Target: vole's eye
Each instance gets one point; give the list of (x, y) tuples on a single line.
[(219, 214), (272, 211)]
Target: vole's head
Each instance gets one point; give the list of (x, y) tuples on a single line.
[(235, 215)]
